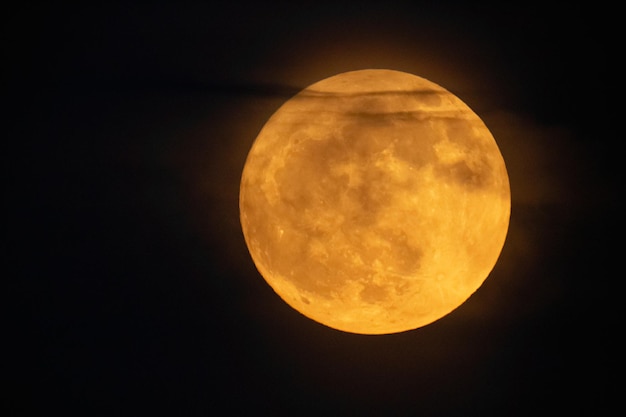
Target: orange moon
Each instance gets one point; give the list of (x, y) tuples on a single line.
[(374, 202)]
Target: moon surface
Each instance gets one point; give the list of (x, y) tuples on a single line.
[(374, 202)]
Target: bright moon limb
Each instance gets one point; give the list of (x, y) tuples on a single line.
[(374, 202)]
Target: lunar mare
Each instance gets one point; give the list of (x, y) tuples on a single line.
[(374, 202)]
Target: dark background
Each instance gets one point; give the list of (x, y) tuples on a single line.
[(127, 130)]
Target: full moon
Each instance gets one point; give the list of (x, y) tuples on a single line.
[(374, 202)]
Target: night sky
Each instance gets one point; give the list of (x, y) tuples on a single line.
[(133, 290)]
